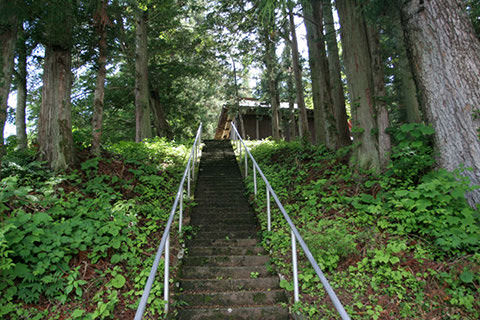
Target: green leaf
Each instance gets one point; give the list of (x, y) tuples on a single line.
[(467, 276), (286, 285), (77, 313), (118, 281)]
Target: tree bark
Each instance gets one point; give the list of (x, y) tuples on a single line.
[(408, 92), (270, 64), (159, 119), (8, 36), (54, 123), (316, 74), (101, 21), (298, 77), (20, 121), (143, 128), (384, 144), (338, 95), (358, 66), (445, 54), (317, 42)]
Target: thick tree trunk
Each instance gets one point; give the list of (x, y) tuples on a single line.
[(20, 121), (316, 74), (408, 93), (446, 55), (338, 95), (8, 37), (159, 119), (54, 123), (320, 55), (101, 19), (384, 144), (143, 128), (358, 66), (270, 63), (298, 77)]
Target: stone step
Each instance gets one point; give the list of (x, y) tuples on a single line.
[(229, 227), (226, 261), (195, 272), (232, 298), (225, 235), (232, 251), (235, 313), (222, 242), (210, 219), (247, 284)]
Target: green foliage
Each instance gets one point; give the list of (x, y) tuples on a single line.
[(360, 228), (101, 217), (412, 153)]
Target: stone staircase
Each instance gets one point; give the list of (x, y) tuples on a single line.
[(224, 274)]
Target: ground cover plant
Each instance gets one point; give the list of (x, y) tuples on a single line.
[(400, 245), (80, 245)]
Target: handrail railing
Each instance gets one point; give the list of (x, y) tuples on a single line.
[(188, 174), (235, 136)]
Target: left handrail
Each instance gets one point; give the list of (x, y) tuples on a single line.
[(188, 175)]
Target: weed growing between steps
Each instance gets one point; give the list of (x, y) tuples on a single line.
[(403, 245), (80, 245)]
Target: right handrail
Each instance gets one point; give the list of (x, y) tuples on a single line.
[(294, 232)]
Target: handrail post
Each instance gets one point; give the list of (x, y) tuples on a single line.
[(269, 215), (188, 183), (255, 181), (180, 216), (295, 268), (166, 273), (246, 164)]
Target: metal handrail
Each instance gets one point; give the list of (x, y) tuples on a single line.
[(188, 174), (294, 232)]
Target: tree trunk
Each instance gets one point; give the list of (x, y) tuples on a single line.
[(101, 20), (358, 66), (270, 63), (143, 128), (54, 123), (338, 95), (159, 120), (8, 36), (287, 64), (384, 144), (292, 123), (318, 42), (20, 121), (446, 55), (316, 74), (298, 78), (408, 93)]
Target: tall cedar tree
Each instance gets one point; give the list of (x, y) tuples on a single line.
[(338, 95), (142, 94), (325, 126), (55, 120), (297, 71), (446, 54), (21, 76), (365, 80), (101, 21), (8, 37)]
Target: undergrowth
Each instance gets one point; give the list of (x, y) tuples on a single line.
[(79, 245), (400, 245)]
